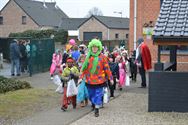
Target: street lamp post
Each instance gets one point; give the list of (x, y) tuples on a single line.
[(118, 13)]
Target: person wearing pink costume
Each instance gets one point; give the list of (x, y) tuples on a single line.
[(122, 77), (56, 63)]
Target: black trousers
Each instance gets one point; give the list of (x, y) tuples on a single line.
[(133, 76), (143, 75), (112, 87), (114, 79)]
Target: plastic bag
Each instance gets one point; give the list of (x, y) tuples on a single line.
[(106, 95), (71, 88), (59, 89), (57, 80), (82, 92), (127, 80)]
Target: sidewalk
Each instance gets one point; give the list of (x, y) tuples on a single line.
[(5, 71), (131, 109)]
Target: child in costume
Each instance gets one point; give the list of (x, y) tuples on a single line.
[(76, 53), (82, 96), (115, 73), (70, 72), (56, 63), (81, 60), (96, 71), (126, 60), (122, 71)]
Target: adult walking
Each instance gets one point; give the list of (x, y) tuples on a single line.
[(96, 71), (15, 56), (23, 59), (143, 60)]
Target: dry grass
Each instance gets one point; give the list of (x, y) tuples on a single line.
[(22, 103)]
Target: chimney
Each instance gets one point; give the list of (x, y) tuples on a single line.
[(44, 4), (56, 6)]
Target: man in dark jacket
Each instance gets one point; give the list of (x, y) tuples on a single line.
[(23, 59), (133, 66), (15, 57)]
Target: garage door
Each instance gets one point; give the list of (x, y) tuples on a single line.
[(90, 35)]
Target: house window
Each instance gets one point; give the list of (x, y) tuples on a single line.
[(127, 36), (1, 20), (179, 48), (116, 35), (23, 19)]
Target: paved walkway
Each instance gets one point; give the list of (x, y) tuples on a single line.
[(131, 108), (53, 116), (6, 70), (128, 108)]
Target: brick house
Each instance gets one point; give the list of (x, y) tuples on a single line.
[(21, 15), (105, 28), (147, 12), (113, 29)]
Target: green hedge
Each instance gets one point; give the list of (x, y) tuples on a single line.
[(59, 36), (7, 85)]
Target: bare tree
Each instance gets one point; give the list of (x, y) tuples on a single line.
[(94, 11)]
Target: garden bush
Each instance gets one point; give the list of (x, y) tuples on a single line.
[(7, 85), (59, 35)]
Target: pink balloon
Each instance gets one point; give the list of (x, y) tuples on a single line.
[(72, 42)]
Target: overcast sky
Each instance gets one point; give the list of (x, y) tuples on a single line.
[(80, 8)]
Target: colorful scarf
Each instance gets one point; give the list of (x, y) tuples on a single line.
[(97, 43)]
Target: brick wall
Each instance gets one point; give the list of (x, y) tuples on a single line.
[(12, 20), (93, 25), (148, 10), (122, 33)]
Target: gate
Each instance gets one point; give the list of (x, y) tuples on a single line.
[(41, 55)]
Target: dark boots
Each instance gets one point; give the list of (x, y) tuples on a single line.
[(93, 107), (96, 112)]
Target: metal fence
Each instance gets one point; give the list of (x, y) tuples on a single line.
[(41, 51), (4, 47), (41, 55)]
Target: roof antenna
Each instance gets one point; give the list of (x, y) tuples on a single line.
[(44, 4)]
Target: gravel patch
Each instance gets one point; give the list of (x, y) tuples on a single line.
[(131, 109)]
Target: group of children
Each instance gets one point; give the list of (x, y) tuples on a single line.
[(70, 68)]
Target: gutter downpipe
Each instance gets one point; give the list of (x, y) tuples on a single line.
[(108, 34), (135, 16)]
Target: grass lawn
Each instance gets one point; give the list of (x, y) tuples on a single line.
[(23, 103)]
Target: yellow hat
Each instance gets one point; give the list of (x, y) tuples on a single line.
[(68, 47)]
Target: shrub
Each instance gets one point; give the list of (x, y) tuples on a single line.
[(7, 85), (59, 36)]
